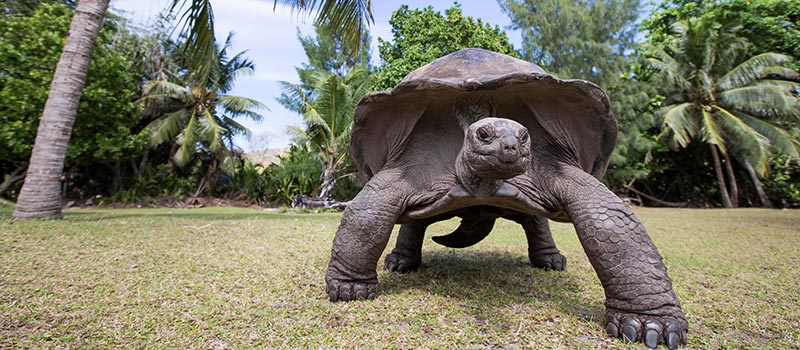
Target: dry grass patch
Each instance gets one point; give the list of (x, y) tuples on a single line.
[(226, 278)]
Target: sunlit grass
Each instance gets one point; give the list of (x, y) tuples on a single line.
[(227, 278)]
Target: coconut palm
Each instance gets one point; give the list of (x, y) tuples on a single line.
[(40, 196), (328, 117), (740, 107), (199, 114)]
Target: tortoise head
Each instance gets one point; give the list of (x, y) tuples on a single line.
[(494, 149)]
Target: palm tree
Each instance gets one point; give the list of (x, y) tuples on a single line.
[(199, 115), (738, 106), (40, 196), (328, 116)]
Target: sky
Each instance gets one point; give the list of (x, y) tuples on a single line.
[(270, 38)]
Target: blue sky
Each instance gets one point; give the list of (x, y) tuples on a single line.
[(271, 40)]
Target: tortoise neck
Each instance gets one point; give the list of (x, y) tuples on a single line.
[(479, 186)]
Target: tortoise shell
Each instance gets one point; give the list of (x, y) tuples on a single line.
[(568, 117)]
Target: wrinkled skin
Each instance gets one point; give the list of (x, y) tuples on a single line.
[(640, 302), (541, 161)]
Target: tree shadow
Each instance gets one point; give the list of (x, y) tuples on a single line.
[(495, 280)]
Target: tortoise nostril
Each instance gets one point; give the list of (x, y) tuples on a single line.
[(509, 144)]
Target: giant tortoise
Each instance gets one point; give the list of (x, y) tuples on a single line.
[(481, 135)]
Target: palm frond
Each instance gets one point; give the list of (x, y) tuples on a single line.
[(751, 70), (711, 131), (242, 106), (768, 101), (668, 69), (350, 18), (782, 72), (779, 139), (789, 86), (198, 28), (187, 142), (332, 102), (212, 131), (293, 97), (234, 127), (680, 120), (298, 135), (168, 127), (154, 90), (315, 123), (746, 143)]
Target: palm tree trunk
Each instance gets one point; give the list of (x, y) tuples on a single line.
[(328, 179), (723, 190), (40, 196), (733, 187), (762, 196)]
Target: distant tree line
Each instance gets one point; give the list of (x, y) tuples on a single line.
[(707, 102)]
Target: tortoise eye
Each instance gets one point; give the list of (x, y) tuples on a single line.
[(523, 137), (483, 135)]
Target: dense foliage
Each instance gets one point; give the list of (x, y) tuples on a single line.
[(709, 72), (421, 36), (727, 86), (104, 136), (593, 40), (768, 25)]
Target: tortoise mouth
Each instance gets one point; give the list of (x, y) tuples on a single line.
[(501, 167)]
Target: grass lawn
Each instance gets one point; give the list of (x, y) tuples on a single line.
[(228, 278)]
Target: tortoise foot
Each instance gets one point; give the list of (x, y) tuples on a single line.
[(553, 261), (349, 291), (398, 262), (666, 325)]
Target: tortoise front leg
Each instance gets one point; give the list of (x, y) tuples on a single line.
[(361, 238), (542, 250), (640, 302)]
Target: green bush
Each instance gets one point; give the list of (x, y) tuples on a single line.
[(782, 184)]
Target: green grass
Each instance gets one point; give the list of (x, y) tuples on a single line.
[(226, 278)]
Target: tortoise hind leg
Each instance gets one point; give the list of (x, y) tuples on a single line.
[(542, 250), (407, 253), (640, 302)]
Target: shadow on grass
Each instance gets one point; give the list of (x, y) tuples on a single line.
[(494, 280)]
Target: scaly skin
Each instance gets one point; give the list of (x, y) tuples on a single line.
[(640, 302), (542, 250), (407, 253), (361, 238)]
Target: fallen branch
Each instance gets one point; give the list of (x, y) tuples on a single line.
[(656, 200), (306, 202), (17, 175)]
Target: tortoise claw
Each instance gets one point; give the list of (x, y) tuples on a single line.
[(649, 329), (349, 291), (396, 262)]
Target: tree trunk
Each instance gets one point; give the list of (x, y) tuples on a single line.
[(723, 190), (212, 175), (733, 187), (762, 196), (328, 178), (40, 196)]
